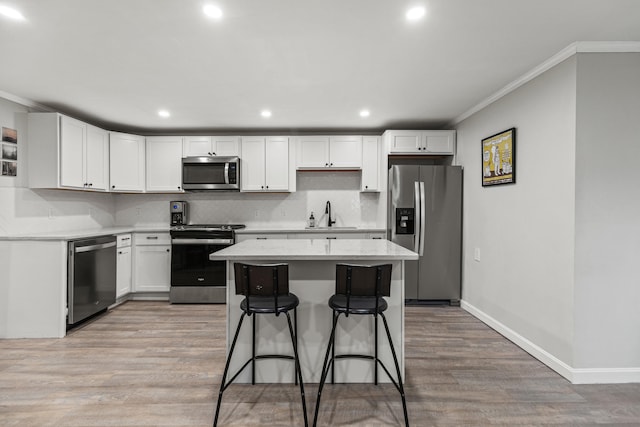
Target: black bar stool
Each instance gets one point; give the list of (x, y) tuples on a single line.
[(360, 291), (266, 291)]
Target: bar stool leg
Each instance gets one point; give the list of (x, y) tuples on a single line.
[(375, 341), (333, 355), (223, 386), (395, 360), (297, 369), (325, 368), (295, 327)]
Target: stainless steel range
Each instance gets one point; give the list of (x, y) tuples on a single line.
[(194, 278)]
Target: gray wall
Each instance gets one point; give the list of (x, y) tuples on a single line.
[(607, 267), (524, 231), (559, 269)]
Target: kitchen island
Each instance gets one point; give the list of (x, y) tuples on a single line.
[(312, 278)]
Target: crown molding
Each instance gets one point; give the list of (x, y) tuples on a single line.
[(567, 52), (23, 101)]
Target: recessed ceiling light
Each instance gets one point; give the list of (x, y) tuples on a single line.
[(11, 13), (415, 13), (212, 11), (265, 113), (164, 113), (365, 113)]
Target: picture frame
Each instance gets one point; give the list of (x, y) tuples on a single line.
[(499, 158)]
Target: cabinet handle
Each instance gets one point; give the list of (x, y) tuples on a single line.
[(113, 186), (331, 238), (178, 188), (326, 164), (168, 250), (330, 164), (214, 153), (366, 186), (119, 252), (262, 187), (267, 186), (152, 237), (261, 238)]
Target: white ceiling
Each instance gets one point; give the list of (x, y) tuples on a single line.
[(314, 63)]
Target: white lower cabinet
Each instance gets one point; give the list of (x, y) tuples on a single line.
[(152, 261), (123, 265), (123, 270)]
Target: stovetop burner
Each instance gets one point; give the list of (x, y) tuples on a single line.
[(207, 227)]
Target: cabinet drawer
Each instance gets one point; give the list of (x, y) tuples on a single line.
[(123, 240), (153, 239)]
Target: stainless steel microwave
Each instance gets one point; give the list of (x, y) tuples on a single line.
[(211, 173)]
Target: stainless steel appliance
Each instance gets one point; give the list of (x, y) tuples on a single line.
[(91, 273), (425, 215), (211, 173), (194, 278), (178, 213)]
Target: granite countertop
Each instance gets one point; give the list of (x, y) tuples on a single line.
[(314, 249)]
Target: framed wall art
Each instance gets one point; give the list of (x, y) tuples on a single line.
[(499, 158)]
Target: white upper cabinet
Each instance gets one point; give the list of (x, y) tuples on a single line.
[(370, 164), (211, 146), (264, 164), (97, 158), (164, 164), (421, 141), (127, 162), (325, 152), (66, 153)]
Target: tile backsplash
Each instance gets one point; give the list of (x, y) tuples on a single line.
[(350, 207)]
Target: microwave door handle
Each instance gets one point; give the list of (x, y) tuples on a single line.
[(226, 172)]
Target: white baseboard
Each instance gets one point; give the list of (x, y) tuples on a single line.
[(575, 376)]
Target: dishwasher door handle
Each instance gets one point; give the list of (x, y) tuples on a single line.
[(95, 247), (202, 242)]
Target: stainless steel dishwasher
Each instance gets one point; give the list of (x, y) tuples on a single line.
[(91, 277)]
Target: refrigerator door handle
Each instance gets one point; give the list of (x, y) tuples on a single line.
[(423, 217), (417, 202)]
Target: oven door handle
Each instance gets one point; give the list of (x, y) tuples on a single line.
[(202, 242)]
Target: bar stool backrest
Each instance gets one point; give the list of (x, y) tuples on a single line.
[(365, 281), (266, 280)]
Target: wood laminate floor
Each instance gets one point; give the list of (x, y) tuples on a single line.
[(156, 364)]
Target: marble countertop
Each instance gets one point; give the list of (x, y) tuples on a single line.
[(314, 249), (83, 234), (267, 230)]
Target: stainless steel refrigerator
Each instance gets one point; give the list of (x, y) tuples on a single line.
[(425, 216)]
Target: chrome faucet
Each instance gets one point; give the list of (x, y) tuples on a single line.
[(327, 210)]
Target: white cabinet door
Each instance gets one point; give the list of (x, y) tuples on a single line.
[(277, 164), (421, 142), (197, 146), (345, 151), (164, 164), (370, 164), (252, 166), (153, 268), (226, 145), (126, 162), (123, 271), (324, 152), (97, 158), (211, 146), (439, 142), (73, 134), (313, 152), (405, 141), (265, 163)]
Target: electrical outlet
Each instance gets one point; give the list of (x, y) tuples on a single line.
[(476, 254)]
